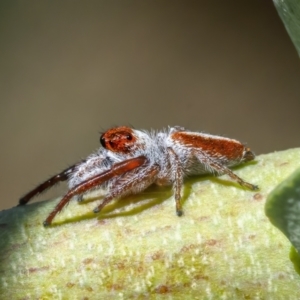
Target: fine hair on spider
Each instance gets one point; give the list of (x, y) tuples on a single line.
[(131, 160)]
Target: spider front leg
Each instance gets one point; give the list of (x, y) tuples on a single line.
[(62, 176), (116, 170)]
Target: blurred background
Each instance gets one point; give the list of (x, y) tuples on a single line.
[(70, 70)]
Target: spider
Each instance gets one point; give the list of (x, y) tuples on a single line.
[(131, 160)]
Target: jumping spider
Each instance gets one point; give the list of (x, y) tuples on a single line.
[(131, 160)]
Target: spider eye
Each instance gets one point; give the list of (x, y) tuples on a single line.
[(129, 137), (102, 141)]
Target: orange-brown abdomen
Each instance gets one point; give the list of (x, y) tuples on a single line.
[(214, 145)]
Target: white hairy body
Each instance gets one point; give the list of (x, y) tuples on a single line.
[(130, 160)]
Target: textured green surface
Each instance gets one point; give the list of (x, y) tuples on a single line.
[(289, 11), (223, 247)]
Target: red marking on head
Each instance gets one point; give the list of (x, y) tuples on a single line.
[(214, 145), (119, 139)]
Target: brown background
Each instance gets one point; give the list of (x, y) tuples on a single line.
[(70, 70)]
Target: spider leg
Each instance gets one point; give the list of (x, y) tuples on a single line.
[(221, 169), (62, 176), (177, 175), (131, 184), (117, 169)]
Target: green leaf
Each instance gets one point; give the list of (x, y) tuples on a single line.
[(295, 259), (283, 209), (289, 11)]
